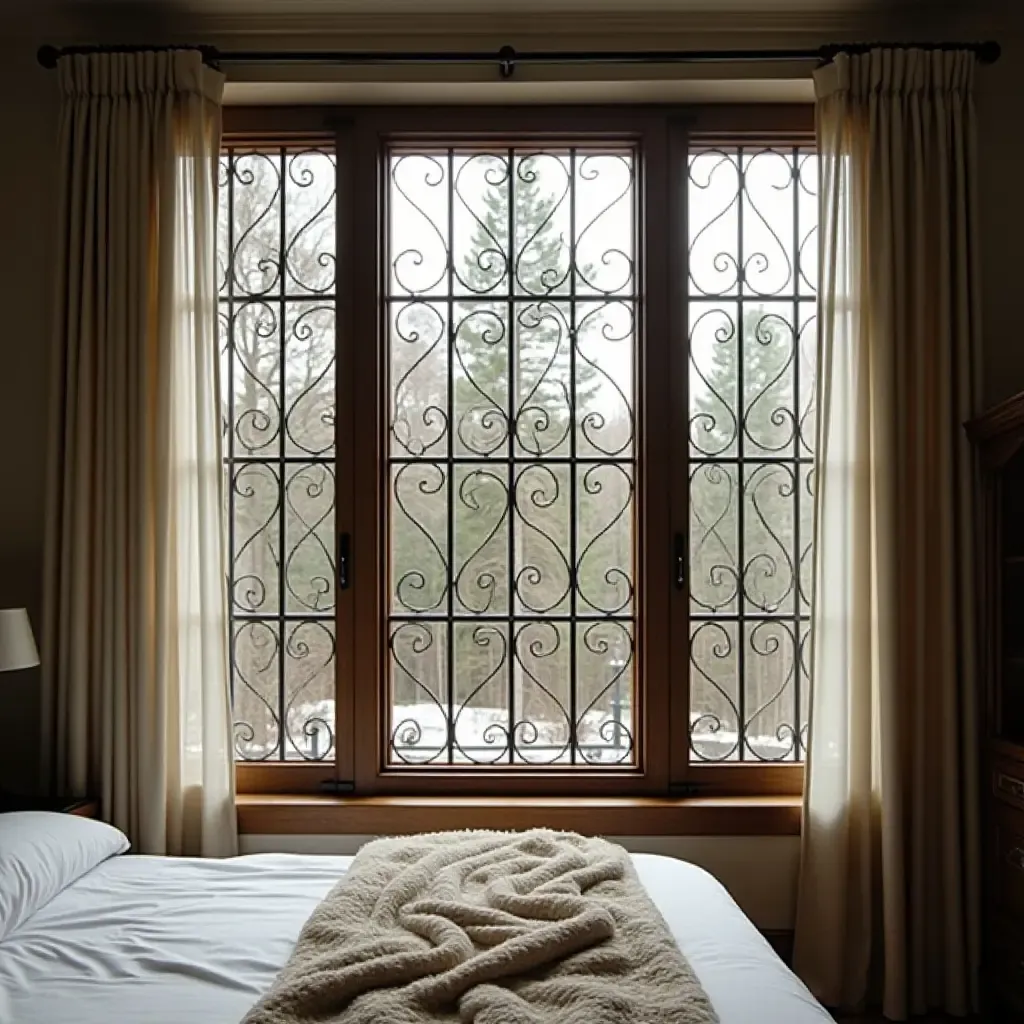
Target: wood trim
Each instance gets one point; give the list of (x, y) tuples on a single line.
[(270, 814), (679, 427), (367, 363), (282, 777), (1004, 748), (652, 480), (780, 123), (662, 655), (277, 125), (504, 125), (86, 809), (999, 432), (751, 124), (344, 491), (739, 778), (376, 128)]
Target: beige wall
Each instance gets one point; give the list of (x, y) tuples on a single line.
[(760, 871)]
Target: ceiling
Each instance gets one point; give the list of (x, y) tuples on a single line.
[(495, 7), (88, 20)]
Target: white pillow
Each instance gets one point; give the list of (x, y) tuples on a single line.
[(42, 853)]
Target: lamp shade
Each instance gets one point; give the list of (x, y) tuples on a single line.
[(17, 645)]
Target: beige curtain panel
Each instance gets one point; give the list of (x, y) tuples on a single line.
[(888, 906), (136, 684)]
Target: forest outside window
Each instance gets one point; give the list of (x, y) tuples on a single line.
[(751, 347), (512, 315), (277, 321), (519, 458)]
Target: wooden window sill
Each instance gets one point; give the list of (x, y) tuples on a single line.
[(284, 814)]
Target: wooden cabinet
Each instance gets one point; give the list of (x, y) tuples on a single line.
[(82, 807), (999, 435)]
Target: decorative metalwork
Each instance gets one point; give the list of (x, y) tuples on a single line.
[(277, 314), (512, 298), (752, 287)]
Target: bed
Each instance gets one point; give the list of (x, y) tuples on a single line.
[(159, 940)]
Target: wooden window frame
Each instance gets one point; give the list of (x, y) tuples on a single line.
[(664, 769)]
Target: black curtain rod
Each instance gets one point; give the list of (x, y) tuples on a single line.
[(506, 59)]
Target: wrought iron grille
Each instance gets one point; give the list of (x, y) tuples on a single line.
[(511, 294), (752, 284), (277, 316)]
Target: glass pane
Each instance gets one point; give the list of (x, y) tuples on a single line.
[(482, 710), (605, 727), (310, 222), (419, 358), (481, 226), (254, 244), (770, 698), (419, 201), (309, 379), (511, 518), (542, 732), (309, 661), (419, 537), (277, 256), (309, 570), (714, 538), (255, 674), (714, 691), (715, 352), (752, 218), (256, 537), (481, 349), (543, 229), (419, 692), (481, 542)]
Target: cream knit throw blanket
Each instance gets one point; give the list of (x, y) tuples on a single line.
[(486, 928)]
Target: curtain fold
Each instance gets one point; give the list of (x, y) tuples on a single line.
[(135, 665), (888, 901)]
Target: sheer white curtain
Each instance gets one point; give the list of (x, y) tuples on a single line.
[(136, 683), (888, 906)]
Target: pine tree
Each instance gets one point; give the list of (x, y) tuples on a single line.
[(536, 268)]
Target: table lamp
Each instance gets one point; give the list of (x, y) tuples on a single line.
[(17, 645), (17, 651)]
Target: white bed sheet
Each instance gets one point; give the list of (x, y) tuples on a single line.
[(163, 941)]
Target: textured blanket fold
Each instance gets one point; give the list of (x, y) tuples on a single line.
[(486, 928)]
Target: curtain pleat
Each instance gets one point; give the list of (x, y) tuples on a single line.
[(136, 682), (888, 903)]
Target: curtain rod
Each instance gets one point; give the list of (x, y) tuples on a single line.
[(506, 59)]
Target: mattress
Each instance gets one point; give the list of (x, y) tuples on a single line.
[(158, 940)]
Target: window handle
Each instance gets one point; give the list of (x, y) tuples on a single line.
[(344, 575), (679, 561)]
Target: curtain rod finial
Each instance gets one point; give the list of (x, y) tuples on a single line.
[(48, 56)]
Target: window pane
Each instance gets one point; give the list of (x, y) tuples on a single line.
[(276, 252), (752, 275), (511, 521)]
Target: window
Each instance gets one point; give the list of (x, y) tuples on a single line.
[(518, 451), (751, 298), (511, 302), (277, 320)]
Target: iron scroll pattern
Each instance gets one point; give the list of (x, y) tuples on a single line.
[(751, 296), (511, 306), (276, 288)]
